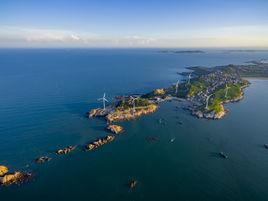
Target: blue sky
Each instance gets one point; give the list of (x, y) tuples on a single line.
[(139, 23)]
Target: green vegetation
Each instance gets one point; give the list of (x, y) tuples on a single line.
[(197, 87), (234, 91), (128, 103), (216, 105)]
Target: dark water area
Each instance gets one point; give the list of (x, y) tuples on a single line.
[(46, 93)]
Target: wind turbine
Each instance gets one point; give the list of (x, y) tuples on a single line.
[(177, 86), (103, 99), (226, 90), (207, 99), (189, 78), (133, 100)]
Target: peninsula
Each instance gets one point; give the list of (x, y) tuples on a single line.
[(206, 89)]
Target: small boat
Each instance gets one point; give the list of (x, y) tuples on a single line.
[(265, 146), (172, 140), (133, 184), (223, 155)]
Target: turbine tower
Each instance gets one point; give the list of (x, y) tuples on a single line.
[(207, 99), (226, 90), (189, 78), (177, 86), (103, 99)]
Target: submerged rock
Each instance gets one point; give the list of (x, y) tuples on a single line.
[(66, 150), (42, 159), (115, 129), (3, 170), (14, 178)]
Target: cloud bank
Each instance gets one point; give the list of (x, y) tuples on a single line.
[(245, 36)]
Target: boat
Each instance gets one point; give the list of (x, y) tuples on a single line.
[(172, 140), (265, 146), (223, 155)]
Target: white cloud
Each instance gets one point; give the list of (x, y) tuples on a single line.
[(245, 36)]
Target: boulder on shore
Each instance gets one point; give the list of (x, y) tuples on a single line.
[(115, 129), (3, 170)]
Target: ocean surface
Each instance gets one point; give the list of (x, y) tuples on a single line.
[(46, 93)]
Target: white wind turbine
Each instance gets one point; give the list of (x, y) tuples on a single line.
[(207, 99), (189, 78), (226, 90), (103, 99), (133, 100), (177, 86)]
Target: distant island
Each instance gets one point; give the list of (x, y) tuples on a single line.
[(250, 51), (182, 51)]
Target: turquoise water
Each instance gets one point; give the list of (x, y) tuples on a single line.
[(43, 100)]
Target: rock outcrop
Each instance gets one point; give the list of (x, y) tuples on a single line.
[(3, 170), (97, 113), (159, 92), (125, 115), (14, 178), (98, 143), (115, 128)]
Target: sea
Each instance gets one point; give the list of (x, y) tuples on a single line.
[(45, 94)]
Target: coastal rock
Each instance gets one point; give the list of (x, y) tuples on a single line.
[(198, 113), (3, 170), (15, 178), (97, 113), (159, 92), (115, 129), (66, 150)]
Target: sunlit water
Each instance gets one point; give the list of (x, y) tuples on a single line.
[(43, 100)]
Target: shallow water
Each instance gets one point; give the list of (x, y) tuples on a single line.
[(43, 100)]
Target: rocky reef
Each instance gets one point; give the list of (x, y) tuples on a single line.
[(66, 150), (98, 143)]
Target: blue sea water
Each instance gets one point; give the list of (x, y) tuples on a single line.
[(45, 94)]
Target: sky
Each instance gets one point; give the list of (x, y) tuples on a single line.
[(134, 23)]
